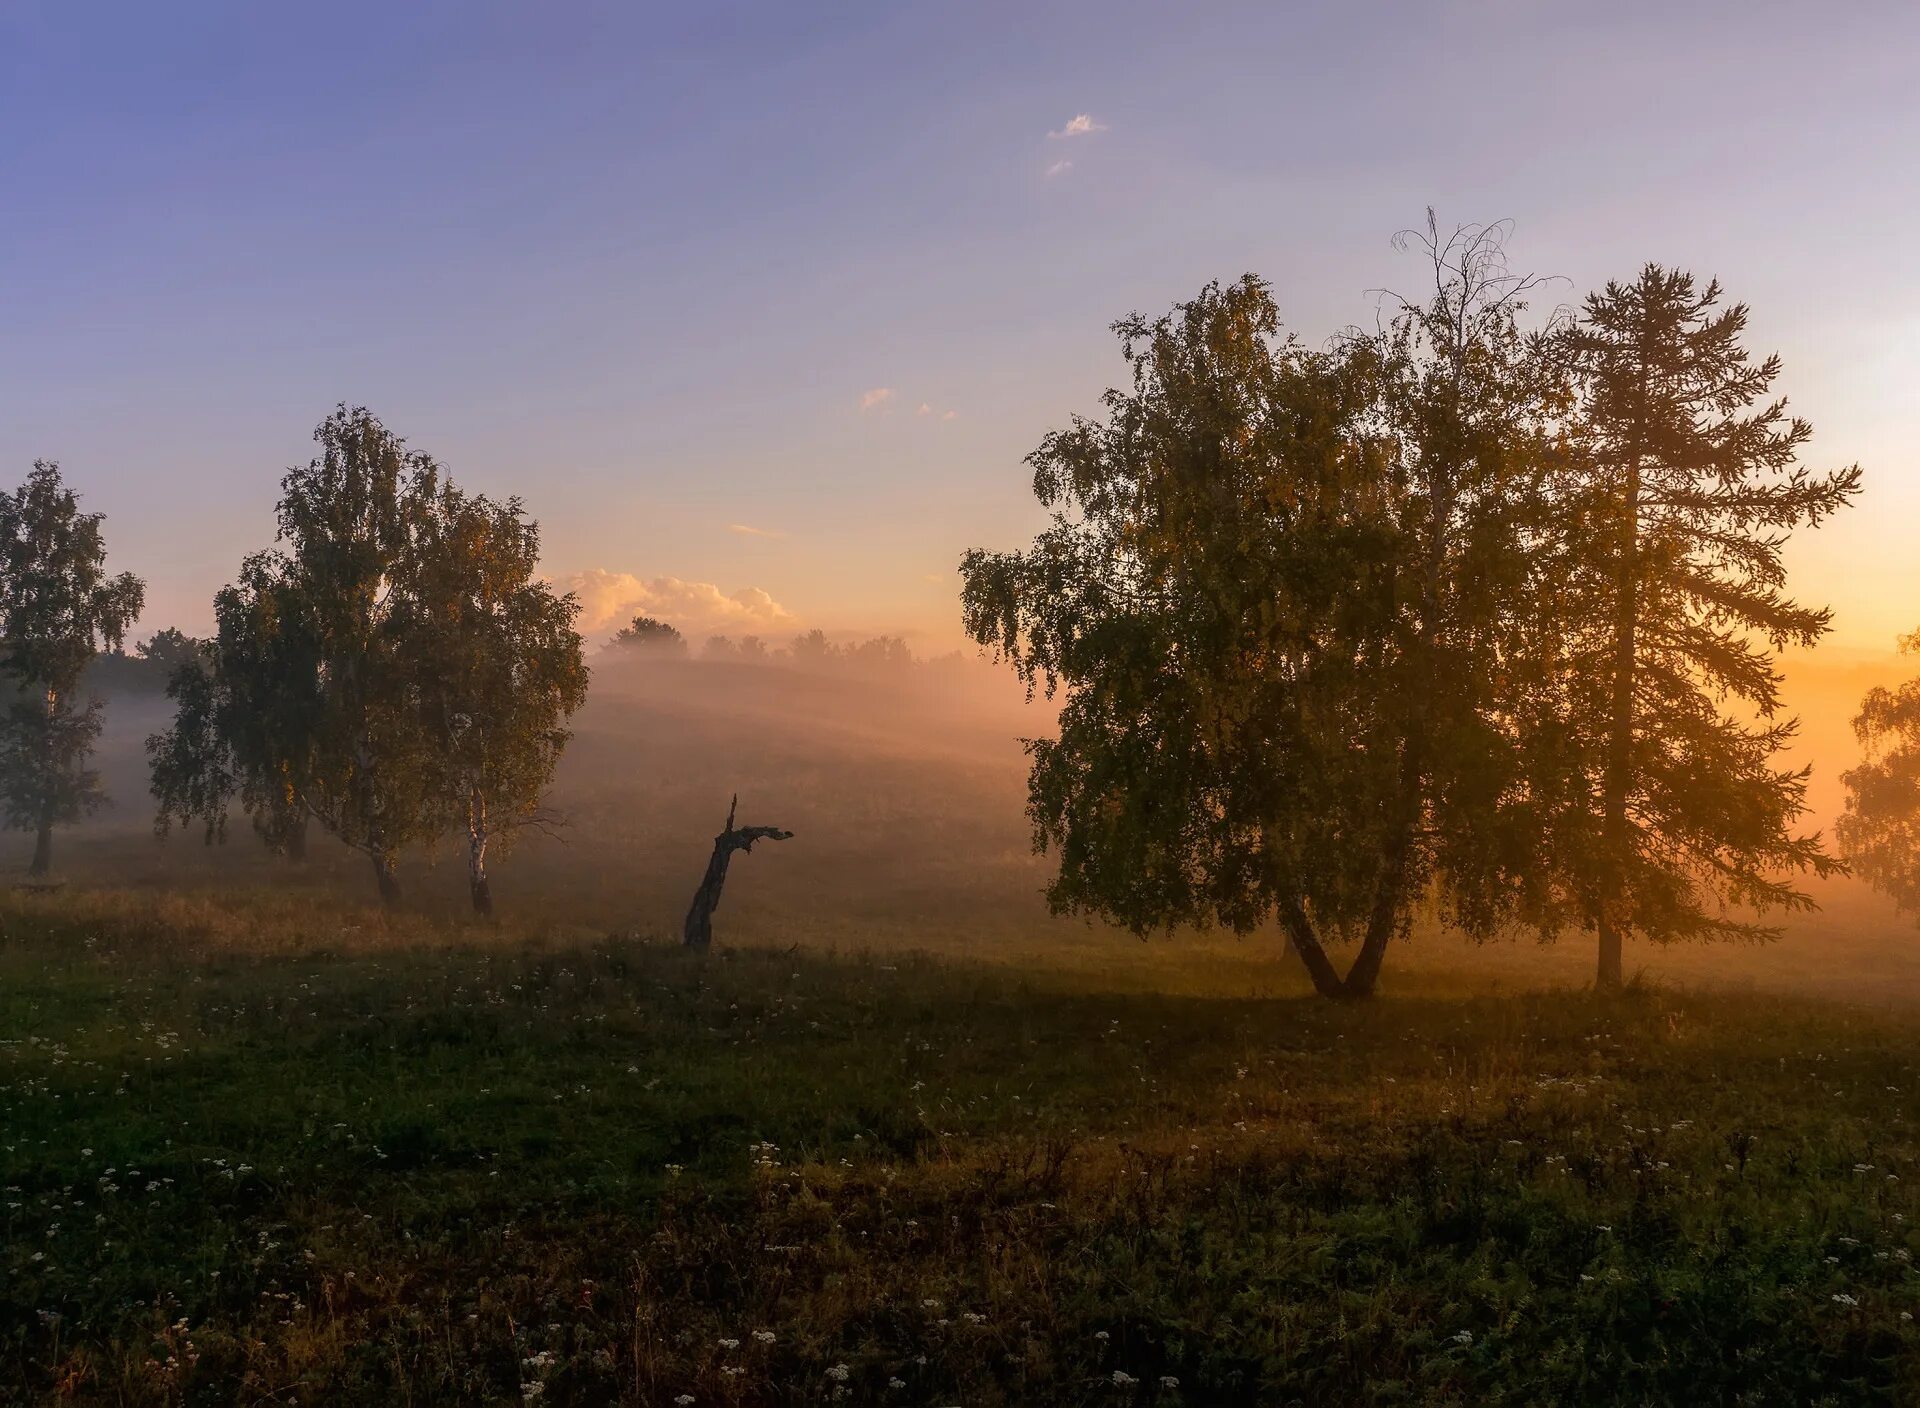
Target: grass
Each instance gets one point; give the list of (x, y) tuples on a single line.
[(260, 1150)]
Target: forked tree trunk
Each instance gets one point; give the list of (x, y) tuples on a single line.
[(1326, 978), (698, 931)]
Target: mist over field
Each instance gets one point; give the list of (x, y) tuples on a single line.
[(1082, 705), (907, 793)]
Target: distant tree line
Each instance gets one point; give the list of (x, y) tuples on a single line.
[(1449, 615), (650, 636)]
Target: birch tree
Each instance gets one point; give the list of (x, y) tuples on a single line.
[(1880, 831), (59, 607), (1272, 594), (498, 666), (247, 711)]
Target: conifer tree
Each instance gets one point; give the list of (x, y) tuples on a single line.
[(1673, 595)]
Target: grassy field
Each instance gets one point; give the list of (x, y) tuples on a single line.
[(267, 1150)]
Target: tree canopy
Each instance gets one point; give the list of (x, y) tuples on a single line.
[(1672, 604), (1338, 631), (1271, 592), (1880, 831), (497, 665), (649, 633), (392, 669), (59, 607)]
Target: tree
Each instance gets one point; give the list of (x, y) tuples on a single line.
[(1880, 832), (813, 650), (394, 669), (247, 710), (58, 608), (648, 633), (1273, 591), (1672, 586), (881, 655), (697, 931), (169, 649), (498, 666), (347, 523)]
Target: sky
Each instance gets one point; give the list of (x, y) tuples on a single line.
[(760, 306)]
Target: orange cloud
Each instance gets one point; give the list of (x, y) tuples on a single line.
[(698, 609)]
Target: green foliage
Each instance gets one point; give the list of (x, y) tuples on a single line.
[(1281, 594), (495, 663), (299, 708), (439, 1174), (1880, 833), (144, 670), (393, 669), (58, 609), (169, 649), (1441, 612), (648, 633), (1671, 592)]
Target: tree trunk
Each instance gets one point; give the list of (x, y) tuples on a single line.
[(477, 885), (1306, 943), (1619, 766), (385, 878), (43, 837), (1609, 974), (296, 839), (697, 932)]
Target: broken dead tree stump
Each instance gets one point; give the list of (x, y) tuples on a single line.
[(698, 933)]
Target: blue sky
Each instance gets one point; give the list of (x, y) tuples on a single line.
[(642, 264)]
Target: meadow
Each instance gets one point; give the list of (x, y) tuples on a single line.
[(904, 1138), (263, 1155)]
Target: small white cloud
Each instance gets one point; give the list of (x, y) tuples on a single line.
[(877, 397), (924, 409), (747, 530), (1060, 168), (1082, 125)]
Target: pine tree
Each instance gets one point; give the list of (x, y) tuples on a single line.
[(1672, 588)]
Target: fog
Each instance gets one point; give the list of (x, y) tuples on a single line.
[(906, 793)]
